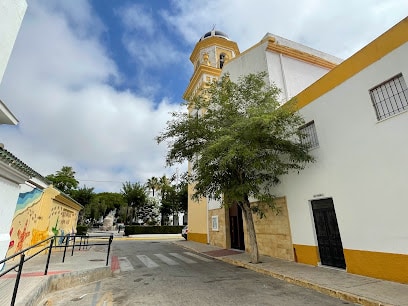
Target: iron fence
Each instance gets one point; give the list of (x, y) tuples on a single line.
[(74, 242)]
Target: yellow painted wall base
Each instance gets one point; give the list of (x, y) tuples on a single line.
[(388, 266), (202, 238), (307, 254)]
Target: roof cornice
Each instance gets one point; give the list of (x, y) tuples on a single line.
[(195, 79), (213, 41), (68, 201), (374, 51), (6, 116), (297, 54)]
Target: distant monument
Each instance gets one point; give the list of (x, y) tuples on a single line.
[(108, 223)]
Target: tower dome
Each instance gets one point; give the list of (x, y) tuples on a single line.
[(214, 33)]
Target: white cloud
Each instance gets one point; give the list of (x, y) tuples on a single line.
[(145, 39), (60, 75), (336, 27), (137, 18), (57, 84)]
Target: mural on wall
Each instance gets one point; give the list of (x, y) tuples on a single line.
[(37, 217), (21, 230), (28, 198)]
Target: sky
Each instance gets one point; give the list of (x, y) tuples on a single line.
[(92, 83)]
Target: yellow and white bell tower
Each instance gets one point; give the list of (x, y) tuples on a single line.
[(211, 52)]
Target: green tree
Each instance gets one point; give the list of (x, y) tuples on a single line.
[(168, 202), (182, 197), (166, 190), (241, 145), (109, 201), (152, 184), (64, 179), (83, 196), (135, 195)]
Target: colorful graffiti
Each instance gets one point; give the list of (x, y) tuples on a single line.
[(39, 216), (28, 198), (22, 235)]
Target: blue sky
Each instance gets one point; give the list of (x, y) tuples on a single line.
[(92, 82)]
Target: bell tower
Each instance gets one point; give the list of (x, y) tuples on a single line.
[(211, 52)]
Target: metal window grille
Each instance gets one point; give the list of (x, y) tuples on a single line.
[(310, 135), (390, 97)]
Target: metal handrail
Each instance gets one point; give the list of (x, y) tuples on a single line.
[(84, 243)]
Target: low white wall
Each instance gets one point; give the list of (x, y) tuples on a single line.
[(9, 192)]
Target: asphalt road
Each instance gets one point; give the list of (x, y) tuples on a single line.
[(161, 273)]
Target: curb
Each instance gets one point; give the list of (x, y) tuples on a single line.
[(345, 296), (349, 297), (64, 281)]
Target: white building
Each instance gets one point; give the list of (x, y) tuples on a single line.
[(290, 66), (349, 208), (11, 175), (11, 16)]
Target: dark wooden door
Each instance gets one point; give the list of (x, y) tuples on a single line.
[(236, 228), (328, 235)]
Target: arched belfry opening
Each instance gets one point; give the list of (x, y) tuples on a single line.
[(222, 60)]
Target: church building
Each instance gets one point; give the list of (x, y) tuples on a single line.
[(346, 210)]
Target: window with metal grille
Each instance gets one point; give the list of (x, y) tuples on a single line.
[(390, 97), (309, 135)]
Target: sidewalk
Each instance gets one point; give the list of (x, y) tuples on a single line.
[(333, 282), (85, 266), (90, 265)]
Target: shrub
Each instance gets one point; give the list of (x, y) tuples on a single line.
[(81, 229), (167, 229)]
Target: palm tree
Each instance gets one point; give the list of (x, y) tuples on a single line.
[(164, 187), (153, 184), (135, 196)]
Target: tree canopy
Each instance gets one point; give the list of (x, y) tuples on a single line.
[(132, 204), (135, 195), (240, 145), (64, 179), (153, 184)]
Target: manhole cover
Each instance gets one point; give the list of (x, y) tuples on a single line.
[(96, 259)]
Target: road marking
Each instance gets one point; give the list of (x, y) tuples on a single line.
[(167, 260), (147, 261), (198, 257), (125, 264), (182, 258)]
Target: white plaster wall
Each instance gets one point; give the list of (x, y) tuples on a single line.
[(252, 61), (299, 74), (361, 163), (9, 192), (288, 74), (11, 16)]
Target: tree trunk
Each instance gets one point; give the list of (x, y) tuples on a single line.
[(253, 244)]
